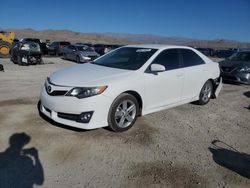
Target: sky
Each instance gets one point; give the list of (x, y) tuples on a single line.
[(197, 19)]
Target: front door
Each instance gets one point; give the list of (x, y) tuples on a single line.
[(164, 88)]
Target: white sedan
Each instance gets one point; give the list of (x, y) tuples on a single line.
[(128, 82)]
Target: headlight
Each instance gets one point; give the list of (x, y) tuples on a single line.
[(83, 92), (245, 69)]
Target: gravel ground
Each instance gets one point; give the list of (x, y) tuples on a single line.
[(172, 148)]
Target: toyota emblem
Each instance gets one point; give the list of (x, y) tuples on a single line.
[(49, 89)]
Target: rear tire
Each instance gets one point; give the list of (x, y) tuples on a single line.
[(64, 56), (41, 61), (123, 113), (205, 93), (14, 59)]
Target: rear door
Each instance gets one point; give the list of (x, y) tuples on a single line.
[(164, 88), (195, 73)]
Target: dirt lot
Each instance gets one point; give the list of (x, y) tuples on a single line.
[(172, 148)]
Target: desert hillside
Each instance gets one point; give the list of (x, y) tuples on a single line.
[(123, 38)]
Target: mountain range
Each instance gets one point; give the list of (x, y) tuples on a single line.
[(124, 38)]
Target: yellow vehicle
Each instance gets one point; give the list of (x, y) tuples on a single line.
[(6, 40)]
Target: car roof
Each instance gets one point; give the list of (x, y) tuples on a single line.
[(78, 45), (157, 46)]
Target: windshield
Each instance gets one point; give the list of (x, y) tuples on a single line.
[(32, 40), (128, 58), (84, 48), (240, 56), (32, 47)]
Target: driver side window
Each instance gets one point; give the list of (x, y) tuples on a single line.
[(168, 58)]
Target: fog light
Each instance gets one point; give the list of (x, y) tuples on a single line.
[(85, 117)]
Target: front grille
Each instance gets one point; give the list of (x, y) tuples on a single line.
[(227, 69), (57, 92)]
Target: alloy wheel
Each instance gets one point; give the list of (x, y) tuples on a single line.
[(206, 93), (125, 113)]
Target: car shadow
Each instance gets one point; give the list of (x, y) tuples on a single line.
[(68, 60), (20, 167), (58, 124), (231, 82), (231, 159), (247, 94)]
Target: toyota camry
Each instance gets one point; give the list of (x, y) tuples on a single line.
[(128, 82)]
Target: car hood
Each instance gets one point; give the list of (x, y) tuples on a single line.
[(87, 74), (229, 63)]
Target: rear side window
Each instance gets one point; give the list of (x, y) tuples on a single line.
[(190, 58), (168, 58)]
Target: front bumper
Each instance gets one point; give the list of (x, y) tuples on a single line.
[(30, 57), (53, 106), (238, 77)]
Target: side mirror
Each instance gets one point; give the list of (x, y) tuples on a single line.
[(157, 68)]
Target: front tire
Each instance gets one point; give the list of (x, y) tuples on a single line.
[(205, 93), (78, 59), (19, 60), (64, 56), (123, 113)]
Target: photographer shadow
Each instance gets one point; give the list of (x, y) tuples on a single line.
[(20, 167)]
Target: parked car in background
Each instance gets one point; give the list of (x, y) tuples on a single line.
[(79, 53), (110, 47), (128, 82), (236, 68), (99, 48), (83, 43), (206, 51), (224, 53), (104, 48), (43, 46), (26, 53), (56, 48)]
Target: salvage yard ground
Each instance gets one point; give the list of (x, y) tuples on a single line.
[(172, 148)]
